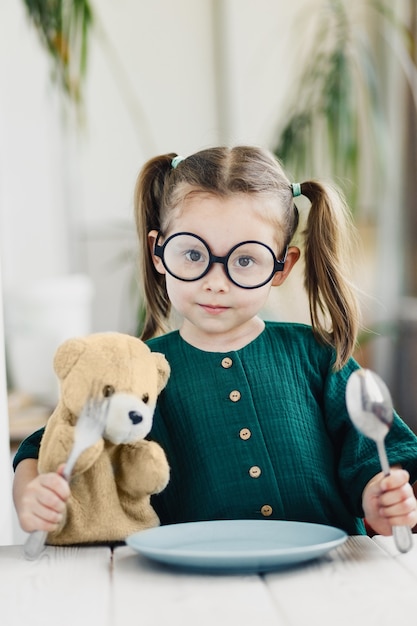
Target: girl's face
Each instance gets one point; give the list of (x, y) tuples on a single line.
[(217, 314)]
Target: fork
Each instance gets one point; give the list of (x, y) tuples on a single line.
[(88, 429)]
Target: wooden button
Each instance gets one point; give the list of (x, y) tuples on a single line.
[(235, 395), (227, 362), (255, 471), (266, 510), (245, 433)]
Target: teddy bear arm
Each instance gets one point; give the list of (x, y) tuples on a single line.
[(142, 469)]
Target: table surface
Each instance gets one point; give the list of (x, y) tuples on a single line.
[(363, 581)]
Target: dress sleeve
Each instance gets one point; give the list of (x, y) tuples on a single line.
[(29, 448)]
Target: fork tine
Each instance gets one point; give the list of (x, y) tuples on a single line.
[(93, 397), (90, 425), (95, 402)]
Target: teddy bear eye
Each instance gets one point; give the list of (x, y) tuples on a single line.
[(145, 398), (108, 390)]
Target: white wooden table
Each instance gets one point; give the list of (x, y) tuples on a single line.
[(363, 582)]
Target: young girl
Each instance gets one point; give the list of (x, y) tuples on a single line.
[(253, 419)]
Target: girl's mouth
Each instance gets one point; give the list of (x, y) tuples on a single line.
[(214, 309)]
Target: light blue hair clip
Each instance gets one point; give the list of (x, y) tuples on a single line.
[(296, 189), (176, 161)]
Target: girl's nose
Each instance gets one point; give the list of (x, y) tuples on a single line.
[(216, 279)]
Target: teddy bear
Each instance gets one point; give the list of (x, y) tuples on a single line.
[(113, 479)]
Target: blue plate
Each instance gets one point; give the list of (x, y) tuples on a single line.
[(236, 545)]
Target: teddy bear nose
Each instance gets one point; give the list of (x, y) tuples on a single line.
[(135, 417)]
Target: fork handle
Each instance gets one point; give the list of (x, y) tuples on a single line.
[(34, 544)]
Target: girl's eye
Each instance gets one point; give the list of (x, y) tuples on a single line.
[(244, 261), (108, 390), (193, 255)]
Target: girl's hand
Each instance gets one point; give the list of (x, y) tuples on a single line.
[(389, 501), (43, 502)]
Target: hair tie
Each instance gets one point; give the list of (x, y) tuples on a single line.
[(176, 161), (296, 189)]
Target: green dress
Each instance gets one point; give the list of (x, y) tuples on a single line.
[(263, 433)]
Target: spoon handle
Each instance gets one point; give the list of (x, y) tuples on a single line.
[(383, 459), (403, 538), (402, 534)]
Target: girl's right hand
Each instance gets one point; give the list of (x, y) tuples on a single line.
[(43, 503)]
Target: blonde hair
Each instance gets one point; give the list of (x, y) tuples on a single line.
[(222, 171)]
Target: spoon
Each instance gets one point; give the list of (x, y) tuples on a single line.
[(369, 404)]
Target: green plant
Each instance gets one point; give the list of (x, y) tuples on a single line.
[(337, 110), (63, 27)]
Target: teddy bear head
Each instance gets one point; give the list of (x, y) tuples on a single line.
[(120, 367)]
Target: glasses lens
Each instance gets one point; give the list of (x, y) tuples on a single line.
[(186, 257), (251, 264)]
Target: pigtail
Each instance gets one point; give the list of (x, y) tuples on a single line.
[(148, 199), (328, 238)]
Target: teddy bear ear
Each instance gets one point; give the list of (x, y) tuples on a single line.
[(67, 355), (163, 368)]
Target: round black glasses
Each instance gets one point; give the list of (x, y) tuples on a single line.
[(249, 264)]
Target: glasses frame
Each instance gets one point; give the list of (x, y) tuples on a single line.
[(159, 251)]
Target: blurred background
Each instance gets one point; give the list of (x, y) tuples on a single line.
[(92, 89)]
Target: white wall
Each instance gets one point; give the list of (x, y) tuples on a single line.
[(5, 468), (33, 211)]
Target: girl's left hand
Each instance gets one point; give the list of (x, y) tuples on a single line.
[(389, 501)]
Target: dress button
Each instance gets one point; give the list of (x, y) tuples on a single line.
[(235, 395), (245, 433), (255, 471), (227, 362), (266, 510)]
